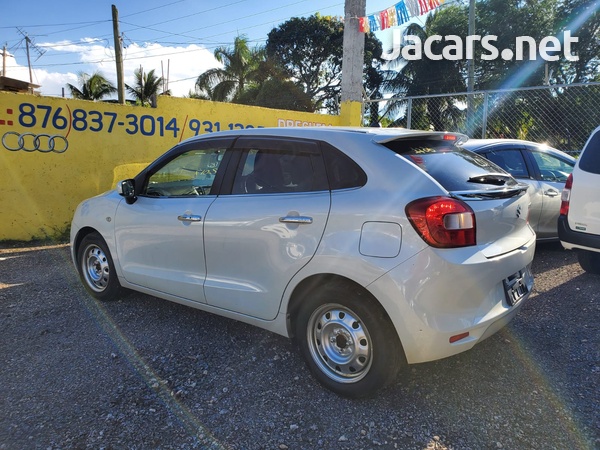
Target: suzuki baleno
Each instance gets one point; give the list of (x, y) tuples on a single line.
[(371, 248)]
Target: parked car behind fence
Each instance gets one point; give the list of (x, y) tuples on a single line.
[(543, 168)]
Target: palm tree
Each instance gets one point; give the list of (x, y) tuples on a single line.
[(147, 87), (205, 94), (240, 68), (429, 77), (93, 87)]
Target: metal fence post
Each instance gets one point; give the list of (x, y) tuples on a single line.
[(485, 116), (409, 113)]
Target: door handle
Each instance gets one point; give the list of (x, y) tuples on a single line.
[(302, 220), (189, 218), (551, 193)]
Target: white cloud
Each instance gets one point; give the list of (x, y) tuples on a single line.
[(181, 64)]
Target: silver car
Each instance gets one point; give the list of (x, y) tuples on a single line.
[(543, 168), (371, 248)]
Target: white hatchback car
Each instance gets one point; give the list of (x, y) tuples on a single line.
[(372, 248)]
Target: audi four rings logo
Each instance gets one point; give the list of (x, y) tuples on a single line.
[(30, 142)]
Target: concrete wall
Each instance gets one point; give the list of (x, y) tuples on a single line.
[(56, 152)]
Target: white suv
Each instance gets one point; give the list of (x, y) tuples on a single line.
[(370, 247), (579, 220)]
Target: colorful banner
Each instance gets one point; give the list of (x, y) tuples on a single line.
[(396, 15)]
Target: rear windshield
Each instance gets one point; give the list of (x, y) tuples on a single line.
[(590, 158), (455, 168)]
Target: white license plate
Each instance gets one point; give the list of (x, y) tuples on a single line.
[(515, 287)]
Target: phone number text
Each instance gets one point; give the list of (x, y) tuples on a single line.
[(81, 120)]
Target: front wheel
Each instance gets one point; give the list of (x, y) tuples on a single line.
[(96, 268), (348, 342)]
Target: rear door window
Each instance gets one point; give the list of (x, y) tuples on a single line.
[(279, 166), (510, 160), (455, 168)]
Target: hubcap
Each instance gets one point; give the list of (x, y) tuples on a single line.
[(339, 343), (95, 268)]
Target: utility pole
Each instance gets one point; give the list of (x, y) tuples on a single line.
[(28, 59), (118, 56), (28, 43), (352, 62), (4, 61)]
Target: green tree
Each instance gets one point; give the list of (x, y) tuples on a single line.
[(240, 67), (147, 87), (508, 19), (582, 18), (425, 76), (92, 87), (275, 92), (205, 94), (309, 51), (374, 78)]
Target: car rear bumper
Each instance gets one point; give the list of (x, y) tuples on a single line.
[(571, 239), (462, 302)]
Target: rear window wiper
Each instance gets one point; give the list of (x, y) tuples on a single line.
[(513, 190)]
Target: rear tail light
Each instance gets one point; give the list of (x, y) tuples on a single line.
[(565, 197), (443, 222)]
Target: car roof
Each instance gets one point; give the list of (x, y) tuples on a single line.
[(476, 145), (480, 143), (379, 135)]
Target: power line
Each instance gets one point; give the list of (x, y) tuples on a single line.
[(194, 41), (153, 9)]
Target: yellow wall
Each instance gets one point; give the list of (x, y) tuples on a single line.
[(104, 143)]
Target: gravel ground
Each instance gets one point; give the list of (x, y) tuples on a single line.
[(144, 373)]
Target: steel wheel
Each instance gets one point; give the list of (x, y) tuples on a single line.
[(347, 339), (95, 268), (339, 343)]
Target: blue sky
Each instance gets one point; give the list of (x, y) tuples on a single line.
[(179, 34)]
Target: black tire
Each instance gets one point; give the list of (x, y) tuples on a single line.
[(589, 261), (96, 268), (348, 341)]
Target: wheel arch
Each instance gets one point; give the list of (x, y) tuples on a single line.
[(81, 233), (86, 231), (314, 282)]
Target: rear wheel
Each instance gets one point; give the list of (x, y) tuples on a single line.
[(96, 268), (348, 342), (589, 261)]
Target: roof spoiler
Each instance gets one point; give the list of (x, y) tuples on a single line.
[(456, 138)]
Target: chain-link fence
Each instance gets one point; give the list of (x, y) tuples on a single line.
[(563, 116)]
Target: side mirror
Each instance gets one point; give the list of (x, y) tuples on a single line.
[(126, 188)]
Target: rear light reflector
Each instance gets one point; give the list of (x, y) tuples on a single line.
[(458, 337), (565, 197), (449, 137), (443, 222)]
